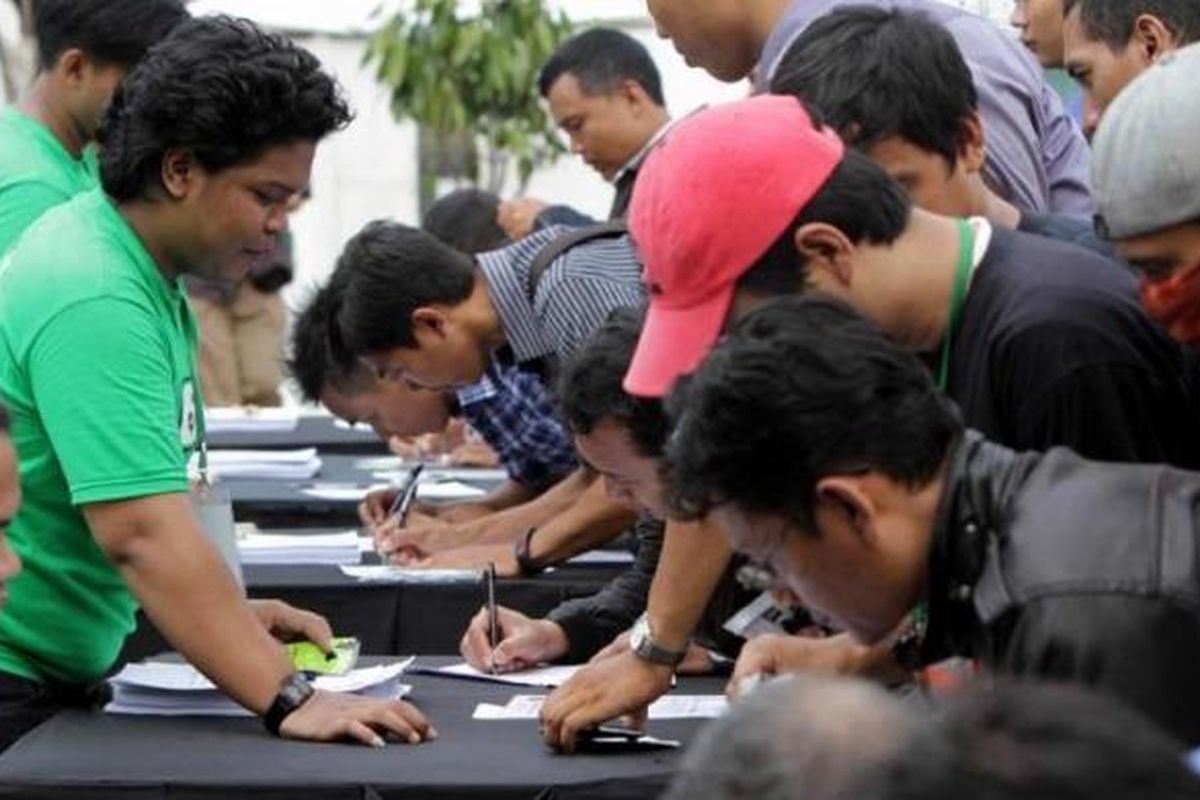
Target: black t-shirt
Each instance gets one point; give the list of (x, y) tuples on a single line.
[(1054, 348)]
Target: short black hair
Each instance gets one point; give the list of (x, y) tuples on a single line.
[(799, 390), (318, 358), (601, 59), (220, 88), (3, 418), (859, 199), (1038, 742), (114, 32), (590, 387), (390, 271), (875, 73), (1113, 21), (465, 219)]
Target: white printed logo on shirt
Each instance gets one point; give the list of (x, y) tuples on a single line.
[(187, 415)]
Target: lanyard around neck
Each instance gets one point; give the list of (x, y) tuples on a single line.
[(958, 297)]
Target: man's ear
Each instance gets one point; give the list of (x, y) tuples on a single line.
[(1152, 38), (429, 325), (179, 172), (846, 495), (72, 65), (972, 143), (633, 95), (828, 254)]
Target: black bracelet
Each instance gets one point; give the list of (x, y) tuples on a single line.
[(294, 691), (527, 565)]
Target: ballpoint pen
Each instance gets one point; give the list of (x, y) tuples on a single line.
[(489, 579), (406, 491)]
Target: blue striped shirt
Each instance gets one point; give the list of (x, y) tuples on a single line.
[(572, 300)]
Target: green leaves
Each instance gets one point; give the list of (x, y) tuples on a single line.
[(479, 74)]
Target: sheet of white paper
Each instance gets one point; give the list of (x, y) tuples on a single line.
[(448, 490), (545, 677), (338, 493), (227, 457), (671, 706), (384, 573), (239, 419)]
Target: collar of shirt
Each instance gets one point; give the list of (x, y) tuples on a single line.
[(980, 479), (635, 163), (484, 389), (507, 274)]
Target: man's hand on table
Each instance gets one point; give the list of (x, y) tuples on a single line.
[(623, 685), (333, 716), (288, 623), (476, 556), (523, 642)]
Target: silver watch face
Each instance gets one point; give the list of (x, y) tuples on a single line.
[(295, 690)]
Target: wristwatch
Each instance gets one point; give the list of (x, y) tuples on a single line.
[(294, 691), (527, 565), (644, 647)]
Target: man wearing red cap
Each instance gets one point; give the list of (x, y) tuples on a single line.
[(1038, 342)]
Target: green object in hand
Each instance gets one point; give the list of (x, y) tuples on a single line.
[(307, 657)]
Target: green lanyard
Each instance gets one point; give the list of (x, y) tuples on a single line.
[(962, 280)]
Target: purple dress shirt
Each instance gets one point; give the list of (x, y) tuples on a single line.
[(1036, 155)]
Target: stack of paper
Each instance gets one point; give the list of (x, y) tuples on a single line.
[(180, 690), (277, 548), (671, 706), (287, 465), (239, 419)]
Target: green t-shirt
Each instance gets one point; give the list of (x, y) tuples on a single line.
[(96, 366), (36, 174)]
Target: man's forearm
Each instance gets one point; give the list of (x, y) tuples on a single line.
[(507, 495), (507, 525), (591, 521), (184, 587), (694, 557)]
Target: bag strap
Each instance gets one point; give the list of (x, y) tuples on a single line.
[(556, 247)]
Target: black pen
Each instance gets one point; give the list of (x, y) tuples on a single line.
[(406, 491), (489, 579)]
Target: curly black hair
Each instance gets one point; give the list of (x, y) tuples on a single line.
[(222, 89)]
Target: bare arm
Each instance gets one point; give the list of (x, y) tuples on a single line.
[(694, 556), (179, 579)]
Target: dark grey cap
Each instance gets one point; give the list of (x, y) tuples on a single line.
[(1146, 152)]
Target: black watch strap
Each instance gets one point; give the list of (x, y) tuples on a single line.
[(294, 691), (527, 565)]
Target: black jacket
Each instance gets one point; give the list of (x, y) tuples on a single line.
[(592, 622), (1057, 567)]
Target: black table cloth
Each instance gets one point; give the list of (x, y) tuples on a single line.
[(282, 503), (319, 431), (395, 618), (93, 756)]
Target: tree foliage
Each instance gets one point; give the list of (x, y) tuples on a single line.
[(476, 73)]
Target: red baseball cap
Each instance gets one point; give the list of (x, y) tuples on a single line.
[(717, 191)]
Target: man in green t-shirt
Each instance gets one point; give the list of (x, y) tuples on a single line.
[(10, 498), (206, 142), (85, 48)]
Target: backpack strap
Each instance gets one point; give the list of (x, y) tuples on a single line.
[(556, 247)]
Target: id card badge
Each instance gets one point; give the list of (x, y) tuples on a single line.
[(214, 511), (758, 617)]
